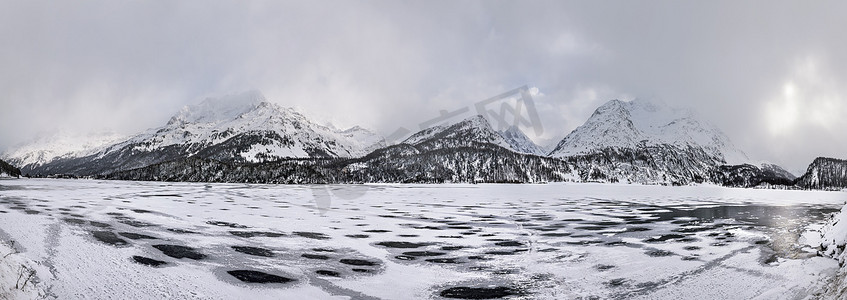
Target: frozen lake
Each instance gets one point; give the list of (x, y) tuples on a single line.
[(151, 240)]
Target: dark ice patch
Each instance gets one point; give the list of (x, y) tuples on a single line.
[(358, 236), (658, 253), (315, 256), (556, 234), (328, 273), (250, 234), (452, 248), (109, 237), (180, 252), (255, 251), (509, 244), (358, 262), (136, 236), (592, 228), (148, 261), (402, 244), (181, 231), (423, 253), (74, 221), (461, 292), (312, 235), (258, 277)]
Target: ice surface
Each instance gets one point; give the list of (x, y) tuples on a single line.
[(552, 241)]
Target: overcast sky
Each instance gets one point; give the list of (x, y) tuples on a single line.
[(770, 74)]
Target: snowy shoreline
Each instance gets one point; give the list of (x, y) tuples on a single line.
[(833, 243), (14, 271)]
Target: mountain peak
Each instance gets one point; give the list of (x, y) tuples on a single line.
[(638, 123), (477, 121), (520, 142), (214, 109)]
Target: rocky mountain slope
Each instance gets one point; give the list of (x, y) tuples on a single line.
[(825, 173), (519, 142), (242, 128), (639, 124), (748, 175), (7, 170), (468, 151), (646, 142)]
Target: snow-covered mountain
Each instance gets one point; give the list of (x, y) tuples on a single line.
[(645, 142), (825, 173), (244, 138), (247, 127), (467, 151), (639, 124), (466, 133), (48, 148), (472, 132), (241, 128), (748, 175), (519, 142)]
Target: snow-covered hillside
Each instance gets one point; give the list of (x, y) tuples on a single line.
[(641, 123), (48, 148)]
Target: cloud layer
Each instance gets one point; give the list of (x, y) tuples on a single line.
[(770, 74)]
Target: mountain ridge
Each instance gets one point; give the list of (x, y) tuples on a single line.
[(241, 128), (627, 142)]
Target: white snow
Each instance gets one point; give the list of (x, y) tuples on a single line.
[(72, 264), (15, 268), (833, 240), (260, 153)]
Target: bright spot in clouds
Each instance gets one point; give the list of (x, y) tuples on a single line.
[(782, 113), (810, 101)]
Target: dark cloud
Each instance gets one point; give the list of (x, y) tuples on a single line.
[(769, 73)]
